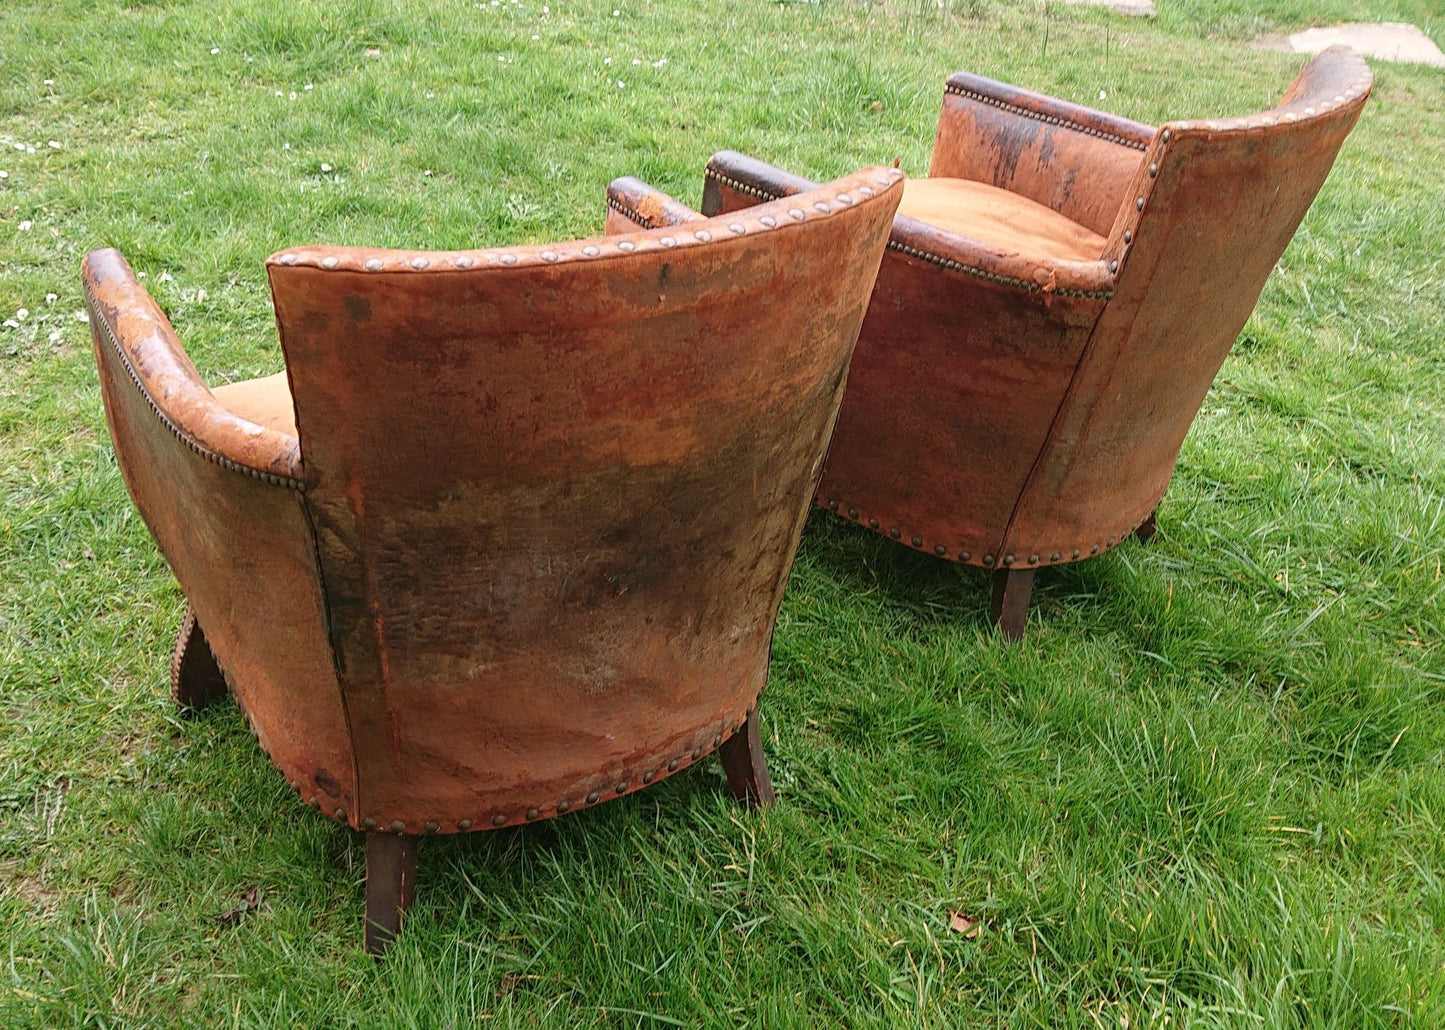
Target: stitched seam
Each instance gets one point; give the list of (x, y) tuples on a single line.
[(931, 258), (184, 437), (1050, 119)]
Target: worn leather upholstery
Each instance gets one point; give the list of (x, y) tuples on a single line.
[(1014, 404), (509, 535)]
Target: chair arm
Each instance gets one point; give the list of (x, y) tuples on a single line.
[(130, 328), (733, 181), (1073, 159), (632, 203)]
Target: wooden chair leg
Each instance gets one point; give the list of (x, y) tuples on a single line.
[(746, 768), (196, 680), (1148, 527), (1010, 607), (390, 879)]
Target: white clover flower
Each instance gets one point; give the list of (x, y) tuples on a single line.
[(200, 295), (49, 82), (279, 93), (621, 84), (22, 313), (430, 95), (164, 277), (51, 298), (535, 37), (616, 13), (81, 316), (325, 167), (4, 174), (607, 60), (215, 50), (53, 144), (307, 87), (285, 146), (426, 172), (1103, 95), (25, 225), (635, 62), (659, 62), (19, 146)]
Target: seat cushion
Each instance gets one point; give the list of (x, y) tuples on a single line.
[(999, 219), (265, 401)]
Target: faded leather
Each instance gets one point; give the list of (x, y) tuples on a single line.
[(1012, 409), (550, 495)]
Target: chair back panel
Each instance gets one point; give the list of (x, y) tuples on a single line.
[(557, 491), (1218, 203)]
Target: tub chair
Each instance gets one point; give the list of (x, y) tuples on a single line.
[(1058, 295), (508, 536)]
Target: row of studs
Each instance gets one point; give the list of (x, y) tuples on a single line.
[(988, 560), (1264, 119), (637, 217), (924, 255), (561, 807), (1038, 116), (216, 459), (420, 263)]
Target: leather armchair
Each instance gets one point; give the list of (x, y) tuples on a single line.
[(1058, 296), (509, 535)]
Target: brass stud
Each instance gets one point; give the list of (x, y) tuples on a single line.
[(621, 787), (873, 523), (1055, 556), (894, 533), (940, 550), (591, 251), (988, 559), (1139, 204), (432, 827), (1113, 266), (286, 259), (1153, 169), (397, 826), (832, 505), (795, 213), (703, 235), (563, 805), (549, 255), (843, 199), (533, 813), (508, 259), (1128, 235), (340, 814), (1094, 549), (867, 191), (1075, 554), (1008, 559), (499, 820), (672, 765), (1033, 559), (1165, 135), (592, 797), (820, 206), (768, 220), (375, 265), (330, 261), (918, 541), (717, 740), (627, 246), (736, 227), (314, 802), (368, 824), (648, 776), (963, 555), (466, 261), (696, 753), (464, 825), (419, 263), (296, 786), (668, 241)]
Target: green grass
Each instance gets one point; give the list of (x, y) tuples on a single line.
[(1206, 792)]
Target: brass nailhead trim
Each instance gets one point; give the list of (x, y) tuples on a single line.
[(1050, 119), (499, 820), (185, 438)]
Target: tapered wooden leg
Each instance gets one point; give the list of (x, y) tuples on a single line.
[(1148, 527), (196, 680), (746, 768), (390, 878), (1010, 608)]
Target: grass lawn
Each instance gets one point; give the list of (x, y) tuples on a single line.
[(1207, 791)]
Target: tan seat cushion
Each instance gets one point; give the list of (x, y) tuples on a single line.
[(265, 401), (998, 218)]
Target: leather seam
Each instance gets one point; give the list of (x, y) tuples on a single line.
[(924, 255), (1048, 119), (272, 478)]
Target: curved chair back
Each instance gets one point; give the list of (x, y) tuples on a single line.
[(556, 491), (1213, 206)]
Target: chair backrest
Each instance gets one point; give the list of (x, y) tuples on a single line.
[(557, 490), (1213, 207)]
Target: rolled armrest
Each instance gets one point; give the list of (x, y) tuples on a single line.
[(733, 181), (130, 328), (1075, 160), (631, 204)]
